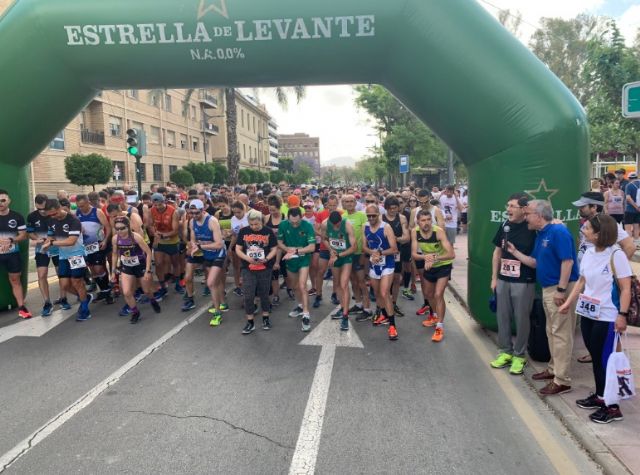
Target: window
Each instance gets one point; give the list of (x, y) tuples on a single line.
[(171, 138), (137, 125), (172, 169), (242, 117), (115, 126), (254, 123), (143, 172), (157, 173), (154, 137), (133, 93), (195, 143), (154, 99), (167, 102), (194, 114), (183, 142), (121, 169), (184, 108), (58, 141)]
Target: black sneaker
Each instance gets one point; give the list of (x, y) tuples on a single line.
[(591, 402), (355, 309), (604, 415), (101, 296), (337, 315), (334, 299), (266, 323), (344, 324), (249, 327), (135, 317), (291, 294), (155, 305), (397, 311), (109, 300), (364, 316)]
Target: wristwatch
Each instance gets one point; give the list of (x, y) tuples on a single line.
[(562, 290), (624, 314)]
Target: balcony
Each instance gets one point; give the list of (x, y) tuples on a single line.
[(211, 129), (96, 138), (209, 101)]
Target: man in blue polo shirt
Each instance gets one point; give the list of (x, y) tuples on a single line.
[(554, 258)]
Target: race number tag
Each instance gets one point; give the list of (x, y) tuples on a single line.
[(396, 257), (338, 244), (510, 268), (77, 262), (588, 307), (130, 261), (92, 248), (255, 252), (378, 262)]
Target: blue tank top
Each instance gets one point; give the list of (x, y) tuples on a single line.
[(91, 226), (377, 241), (203, 234)]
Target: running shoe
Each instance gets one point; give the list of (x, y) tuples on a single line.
[(47, 309), (291, 294), (143, 299), (224, 307), (392, 332), (430, 321), (517, 365), (101, 296), (306, 322), (344, 324), (206, 292), (328, 275), (337, 314), (381, 320), (59, 301), (591, 402), (364, 316), (83, 316), (422, 310), (249, 327), (266, 324), (406, 293), (296, 312), (24, 313), (355, 309), (238, 291), (188, 305), (275, 301), (155, 306), (109, 300), (124, 311), (64, 304), (317, 301), (397, 311), (135, 317), (213, 311), (139, 294), (503, 360), (334, 299), (216, 320), (179, 288), (160, 294), (312, 292), (438, 335), (605, 415)]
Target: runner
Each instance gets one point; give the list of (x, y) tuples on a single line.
[(133, 256), (164, 227), (224, 216), (380, 244), (400, 229), (296, 239), (65, 230), (324, 255), (339, 239), (13, 229), (256, 247), (451, 206), (310, 217), (95, 237), (273, 221), (614, 202), (238, 221), (358, 282), (429, 245)]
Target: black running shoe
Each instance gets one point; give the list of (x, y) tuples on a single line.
[(249, 327), (591, 402), (397, 311), (266, 324), (355, 309), (364, 316), (155, 305), (604, 415), (135, 317)]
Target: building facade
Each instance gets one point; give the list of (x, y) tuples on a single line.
[(273, 144), (302, 149)]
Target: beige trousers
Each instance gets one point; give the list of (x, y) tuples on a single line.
[(560, 331)]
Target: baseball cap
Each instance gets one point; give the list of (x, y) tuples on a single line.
[(621, 170), (590, 198), (633, 175), (293, 201), (197, 204), (157, 197)]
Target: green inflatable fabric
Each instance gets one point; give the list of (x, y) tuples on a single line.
[(513, 123)]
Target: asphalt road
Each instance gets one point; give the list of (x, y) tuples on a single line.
[(210, 400)]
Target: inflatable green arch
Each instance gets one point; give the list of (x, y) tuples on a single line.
[(513, 123)]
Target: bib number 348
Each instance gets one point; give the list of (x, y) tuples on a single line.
[(588, 307)]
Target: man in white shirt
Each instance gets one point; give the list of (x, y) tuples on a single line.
[(451, 207)]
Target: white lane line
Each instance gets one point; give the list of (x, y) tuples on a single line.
[(57, 421), (34, 327)]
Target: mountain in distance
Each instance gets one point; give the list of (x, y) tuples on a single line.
[(339, 162)]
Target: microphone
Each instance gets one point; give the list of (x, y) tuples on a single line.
[(506, 230)]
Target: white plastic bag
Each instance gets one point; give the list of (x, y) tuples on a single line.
[(619, 379)]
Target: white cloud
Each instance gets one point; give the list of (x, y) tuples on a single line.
[(629, 23)]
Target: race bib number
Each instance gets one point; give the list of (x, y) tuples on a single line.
[(377, 262), (130, 261), (255, 252), (338, 244), (510, 268), (396, 257), (92, 248), (588, 307), (77, 262), (6, 249)]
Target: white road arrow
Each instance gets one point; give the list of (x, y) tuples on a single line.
[(327, 335), (34, 327)]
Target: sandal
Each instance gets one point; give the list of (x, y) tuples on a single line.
[(585, 359)]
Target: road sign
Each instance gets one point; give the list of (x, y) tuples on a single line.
[(631, 100), (116, 172), (404, 164)]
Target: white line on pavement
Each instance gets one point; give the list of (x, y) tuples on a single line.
[(34, 327), (57, 421)]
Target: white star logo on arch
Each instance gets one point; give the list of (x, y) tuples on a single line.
[(203, 9), (542, 192)]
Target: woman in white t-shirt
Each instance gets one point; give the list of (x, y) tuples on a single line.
[(602, 304)]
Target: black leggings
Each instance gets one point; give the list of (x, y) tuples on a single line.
[(598, 337)]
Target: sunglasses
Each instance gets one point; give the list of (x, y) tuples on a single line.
[(120, 228), (308, 207), (3, 200), (370, 201), (369, 216)]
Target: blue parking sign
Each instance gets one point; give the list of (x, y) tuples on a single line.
[(404, 164)]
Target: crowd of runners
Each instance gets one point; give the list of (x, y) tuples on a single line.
[(281, 242)]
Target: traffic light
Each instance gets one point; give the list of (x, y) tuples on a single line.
[(134, 143)]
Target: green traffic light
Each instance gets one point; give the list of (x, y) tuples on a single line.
[(133, 151)]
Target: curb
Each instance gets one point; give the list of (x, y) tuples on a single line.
[(578, 428)]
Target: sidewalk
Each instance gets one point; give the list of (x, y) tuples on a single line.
[(614, 446)]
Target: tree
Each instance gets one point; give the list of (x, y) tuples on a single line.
[(182, 177), (220, 174), (276, 176), (233, 157), (285, 164), (244, 177), (511, 21), (303, 175), (201, 172), (88, 170)]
